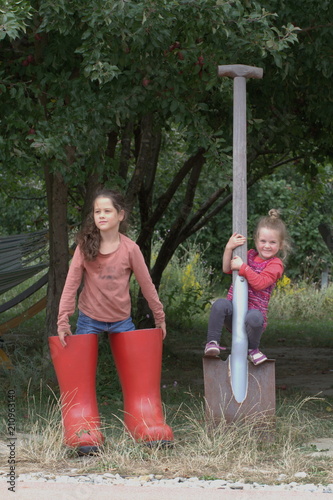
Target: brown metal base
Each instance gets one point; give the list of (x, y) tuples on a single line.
[(259, 403)]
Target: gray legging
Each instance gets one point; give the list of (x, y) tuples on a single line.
[(221, 315)]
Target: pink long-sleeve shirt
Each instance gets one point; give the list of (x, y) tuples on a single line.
[(105, 295)]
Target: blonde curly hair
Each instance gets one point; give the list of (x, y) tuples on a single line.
[(273, 221)]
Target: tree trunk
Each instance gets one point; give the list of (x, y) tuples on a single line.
[(59, 255), (144, 316), (193, 166), (171, 240), (92, 185), (144, 144), (125, 155), (326, 233)]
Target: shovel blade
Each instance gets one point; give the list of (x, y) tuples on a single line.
[(259, 403)]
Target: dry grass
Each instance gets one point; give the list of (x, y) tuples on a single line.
[(302, 301), (233, 451)]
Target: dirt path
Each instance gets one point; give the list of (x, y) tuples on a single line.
[(306, 370), (309, 370)]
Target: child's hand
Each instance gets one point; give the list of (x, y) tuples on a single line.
[(236, 240), (62, 336), (236, 263), (163, 328)]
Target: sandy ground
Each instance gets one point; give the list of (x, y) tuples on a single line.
[(42, 491)]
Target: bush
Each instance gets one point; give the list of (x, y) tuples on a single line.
[(186, 289), (300, 300)]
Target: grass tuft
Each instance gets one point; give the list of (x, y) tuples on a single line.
[(227, 451)]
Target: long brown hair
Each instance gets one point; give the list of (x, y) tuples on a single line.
[(89, 238)]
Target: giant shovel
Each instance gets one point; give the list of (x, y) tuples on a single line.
[(233, 388)]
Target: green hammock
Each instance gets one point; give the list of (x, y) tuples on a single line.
[(21, 257)]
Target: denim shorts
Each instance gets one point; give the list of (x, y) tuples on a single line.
[(86, 325)]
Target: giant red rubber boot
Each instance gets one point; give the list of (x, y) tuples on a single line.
[(138, 359), (75, 366)]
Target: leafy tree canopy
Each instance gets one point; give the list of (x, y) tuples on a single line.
[(85, 69), (14, 16), (127, 93)]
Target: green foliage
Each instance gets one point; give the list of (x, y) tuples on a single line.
[(294, 105), (14, 18), (127, 48), (23, 203), (83, 71), (303, 207), (107, 381), (185, 288)]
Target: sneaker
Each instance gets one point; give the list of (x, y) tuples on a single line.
[(212, 349), (256, 356)]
